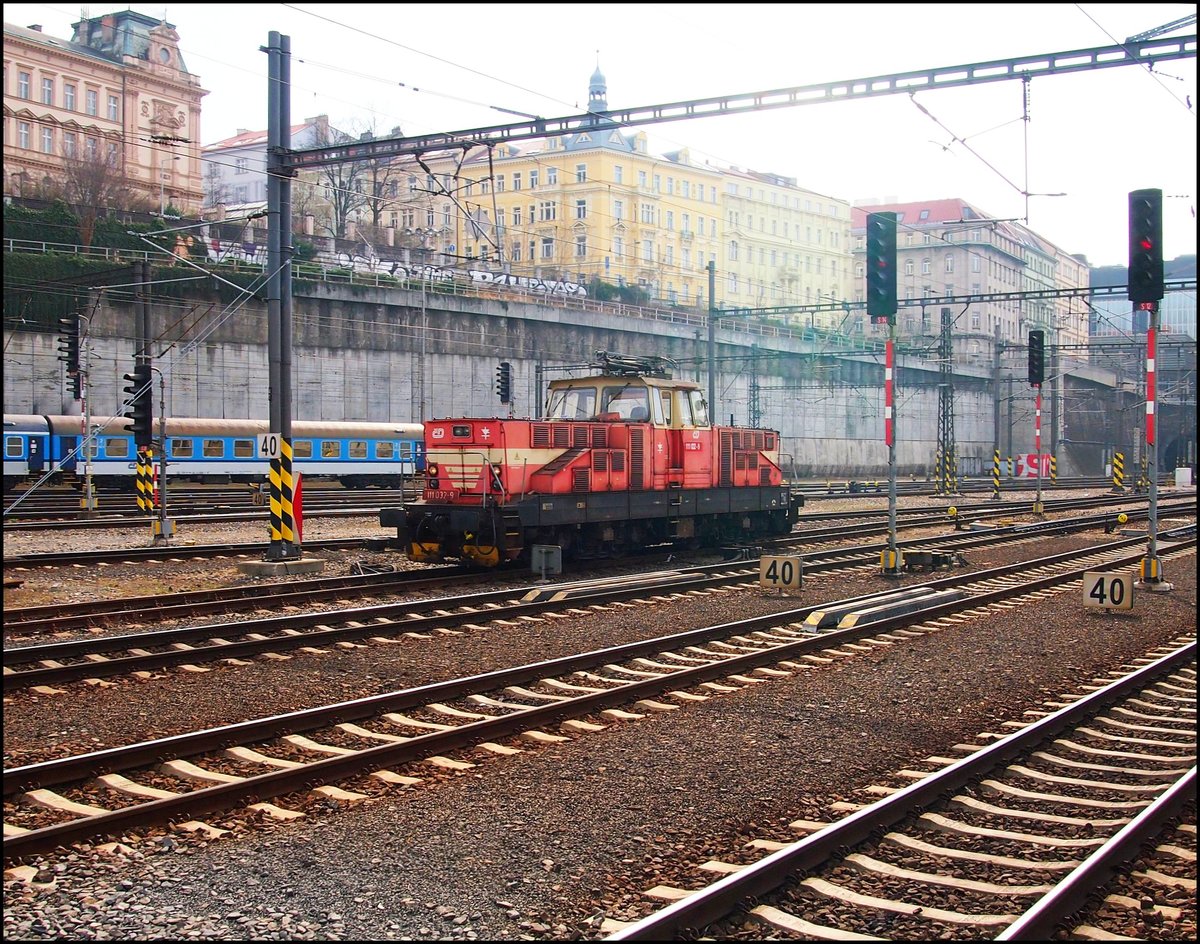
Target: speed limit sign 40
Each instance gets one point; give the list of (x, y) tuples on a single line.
[(779, 572), (1108, 589)]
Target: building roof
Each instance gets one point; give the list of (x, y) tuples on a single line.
[(922, 212), (250, 138)]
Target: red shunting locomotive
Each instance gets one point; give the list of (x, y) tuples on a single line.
[(623, 459)]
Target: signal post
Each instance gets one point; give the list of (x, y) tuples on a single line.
[(881, 306), (1145, 292)]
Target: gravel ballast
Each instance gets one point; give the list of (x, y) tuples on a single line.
[(545, 843)]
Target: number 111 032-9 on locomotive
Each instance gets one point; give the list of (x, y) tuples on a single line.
[(622, 459)]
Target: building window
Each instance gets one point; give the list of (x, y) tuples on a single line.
[(618, 174), (925, 267), (642, 178), (240, 195), (499, 183), (70, 144), (581, 173), (949, 263), (47, 91), (516, 216), (647, 250), (670, 257), (90, 147), (239, 165), (113, 108), (581, 247), (859, 271), (618, 246), (909, 267), (670, 219), (580, 209), (618, 209), (516, 252), (23, 134), (547, 210), (547, 247), (92, 99), (23, 80), (671, 186), (975, 264), (47, 140), (552, 175), (733, 251), (533, 179), (657, 183), (647, 213), (68, 96)]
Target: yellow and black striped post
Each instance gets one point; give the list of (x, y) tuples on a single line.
[(142, 482), (1143, 480), (287, 515), (1053, 470), (1118, 472), (276, 508), (995, 473)]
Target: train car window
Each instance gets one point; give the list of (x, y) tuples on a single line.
[(116, 448), (302, 449), (331, 449), (213, 449), (358, 449), (699, 408), (181, 448), (243, 448), (385, 449), (406, 450), (13, 447)]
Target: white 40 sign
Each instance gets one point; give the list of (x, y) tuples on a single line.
[(1108, 589), (780, 572)]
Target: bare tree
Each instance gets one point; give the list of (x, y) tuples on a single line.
[(344, 184), (94, 182), (216, 191)]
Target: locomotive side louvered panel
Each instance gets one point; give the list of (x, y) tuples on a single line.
[(637, 458), (600, 460), (581, 479), (562, 437), (600, 437), (579, 435), (541, 435), (725, 475)]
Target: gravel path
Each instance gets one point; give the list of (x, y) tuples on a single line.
[(545, 843)]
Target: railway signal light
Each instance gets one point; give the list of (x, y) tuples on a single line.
[(1037, 356), (77, 386), (140, 392), (68, 343), (1145, 246), (881, 267), (504, 382)]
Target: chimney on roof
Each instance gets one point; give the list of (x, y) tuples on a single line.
[(36, 27), (242, 130)]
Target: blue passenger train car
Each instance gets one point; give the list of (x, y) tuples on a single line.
[(357, 455)]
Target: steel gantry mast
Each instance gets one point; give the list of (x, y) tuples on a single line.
[(946, 461)]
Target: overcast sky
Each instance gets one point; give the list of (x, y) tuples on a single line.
[(1093, 136)]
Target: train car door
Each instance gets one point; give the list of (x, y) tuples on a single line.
[(37, 454), (67, 446)]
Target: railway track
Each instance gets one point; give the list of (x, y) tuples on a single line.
[(378, 743), (145, 652), (174, 552), (1005, 843)]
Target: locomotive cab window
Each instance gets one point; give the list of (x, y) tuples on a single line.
[(331, 449), (180, 448), (358, 448), (302, 449), (116, 448), (664, 404), (243, 448), (572, 403), (699, 408), (213, 449), (385, 449), (627, 401)]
